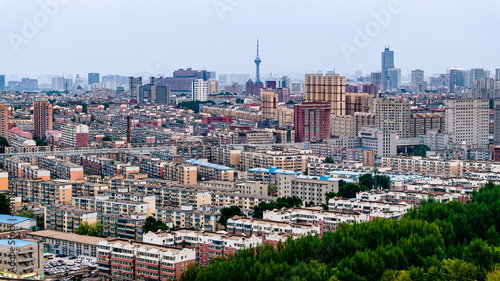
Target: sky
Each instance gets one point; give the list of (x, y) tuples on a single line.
[(296, 36)]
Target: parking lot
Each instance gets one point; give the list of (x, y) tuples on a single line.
[(64, 265)]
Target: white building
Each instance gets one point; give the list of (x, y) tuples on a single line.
[(383, 143), (468, 120), (74, 135), (199, 89)]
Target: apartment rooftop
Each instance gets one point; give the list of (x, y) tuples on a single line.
[(15, 242), (67, 236), (207, 164)]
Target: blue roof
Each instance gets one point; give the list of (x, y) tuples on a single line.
[(17, 242), (8, 219), (273, 170), (206, 164), (323, 178)]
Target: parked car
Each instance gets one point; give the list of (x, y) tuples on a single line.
[(72, 258)]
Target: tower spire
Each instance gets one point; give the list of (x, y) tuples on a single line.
[(257, 63)]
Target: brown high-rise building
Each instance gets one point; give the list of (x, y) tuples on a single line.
[(42, 115), (269, 104), (4, 115), (327, 88), (358, 102)]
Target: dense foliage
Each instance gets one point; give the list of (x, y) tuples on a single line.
[(227, 213), (281, 202), (5, 207), (152, 224), (193, 105), (440, 241), (91, 229)]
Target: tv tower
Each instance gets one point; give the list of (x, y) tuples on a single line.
[(257, 63)]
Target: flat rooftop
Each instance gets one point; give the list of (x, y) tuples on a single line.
[(67, 236)]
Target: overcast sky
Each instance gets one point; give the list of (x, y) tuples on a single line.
[(158, 36)]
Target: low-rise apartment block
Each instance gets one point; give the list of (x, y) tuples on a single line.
[(21, 259), (67, 218), (187, 217), (209, 171)]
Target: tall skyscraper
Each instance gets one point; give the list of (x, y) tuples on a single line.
[(42, 113), (153, 94), (417, 76), (199, 90), (387, 63), (2, 82), (93, 78), (477, 74), (497, 74), (213, 86), (496, 122), (457, 78), (4, 116), (134, 83), (156, 81), (393, 115), (269, 104), (468, 120), (257, 64), (327, 88), (312, 121)]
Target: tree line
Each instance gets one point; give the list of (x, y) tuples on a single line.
[(439, 241)]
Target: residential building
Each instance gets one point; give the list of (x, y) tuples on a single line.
[(329, 88), (312, 121), (269, 104), (122, 226), (75, 135), (93, 78), (359, 102), (392, 115), (468, 120), (4, 119), (199, 90), (67, 218), (209, 171), (310, 190), (132, 260), (420, 123), (417, 77), (21, 259), (42, 115), (383, 143), (187, 217), (134, 83), (8, 222)]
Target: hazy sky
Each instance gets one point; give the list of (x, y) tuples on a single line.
[(158, 36)]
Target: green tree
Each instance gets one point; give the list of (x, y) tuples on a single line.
[(281, 202), (93, 229), (366, 182), (227, 213), (4, 204), (492, 236), (383, 181), (290, 102), (40, 142), (106, 138), (238, 100), (421, 150), (152, 224), (4, 142), (272, 189), (27, 214), (328, 160)]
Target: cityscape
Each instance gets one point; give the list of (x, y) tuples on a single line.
[(254, 171)]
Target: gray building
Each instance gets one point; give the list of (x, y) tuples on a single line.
[(134, 83), (393, 115), (457, 78), (376, 78), (153, 94), (417, 76), (2, 82), (468, 120), (394, 79), (496, 123)]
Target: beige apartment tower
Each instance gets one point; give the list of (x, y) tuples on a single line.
[(327, 88), (269, 104)]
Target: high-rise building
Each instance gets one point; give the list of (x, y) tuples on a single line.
[(477, 74), (269, 104), (134, 83), (387, 63), (358, 102), (376, 78), (327, 88), (497, 75), (4, 116), (42, 115), (93, 78), (393, 115), (393, 81), (153, 94), (58, 83), (457, 78), (253, 88), (156, 81), (199, 90), (312, 121), (468, 120), (2, 82), (74, 135), (417, 77)]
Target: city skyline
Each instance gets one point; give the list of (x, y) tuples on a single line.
[(104, 47)]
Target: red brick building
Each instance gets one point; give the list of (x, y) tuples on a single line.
[(312, 121)]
